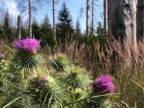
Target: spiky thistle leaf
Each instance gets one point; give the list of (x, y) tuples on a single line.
[(77, 77), (47, 92), (60, 61)]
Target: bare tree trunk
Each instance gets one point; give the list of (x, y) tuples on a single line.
[(87, 17), (54, 25), (105, 15), (133, 8), (140, 19), (122, 19), (115, 21), (30, 18), (92, 16), (130, 10), (19, 25)]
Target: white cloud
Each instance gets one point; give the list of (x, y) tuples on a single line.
[(14, 11), (12, 7)]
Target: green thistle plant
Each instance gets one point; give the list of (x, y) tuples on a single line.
[(3, 73), (27, 60), (47, 92), (3, 69), (26, 55), (76, 77), (60, 61), (30, 84), (77, 83), (24, 61), (3, 66), (103, 86), (75, 80)]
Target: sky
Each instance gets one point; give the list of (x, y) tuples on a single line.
[(75, 7)]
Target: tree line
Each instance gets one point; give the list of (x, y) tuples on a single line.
[(60, 33)]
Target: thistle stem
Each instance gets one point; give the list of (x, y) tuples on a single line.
[(73, 98), (24, 80)]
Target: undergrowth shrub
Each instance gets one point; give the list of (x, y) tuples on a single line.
[(34, 82), (30, 81), (122, 60)]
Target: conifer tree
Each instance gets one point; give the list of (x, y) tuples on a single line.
[(78, 29), (36, 30), (19, 26), (87, 16), (53, 14), (65, 28), (46, 32), (7, 26)]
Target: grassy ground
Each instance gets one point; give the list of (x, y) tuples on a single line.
[(123, 62)]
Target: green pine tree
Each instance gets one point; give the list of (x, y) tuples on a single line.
[(36, 30), (77, 30), (64, 27), (7, 27), (46, 33), (100, 30)]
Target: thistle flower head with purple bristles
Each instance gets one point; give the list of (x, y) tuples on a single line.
[(30, 45), (104, 83)]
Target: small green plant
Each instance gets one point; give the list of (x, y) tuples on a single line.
[(47, 92), (30, 83), (60, 61)]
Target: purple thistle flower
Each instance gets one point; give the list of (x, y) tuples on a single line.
[(104, 83), (29, 44)]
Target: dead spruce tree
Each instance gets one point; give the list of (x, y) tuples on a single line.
[(30, 18), (53, 14), (19, 25), (122, 20), (105, 14), (87, 17), (140, 19)]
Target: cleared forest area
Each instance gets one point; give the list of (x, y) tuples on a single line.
[(58, 61)]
